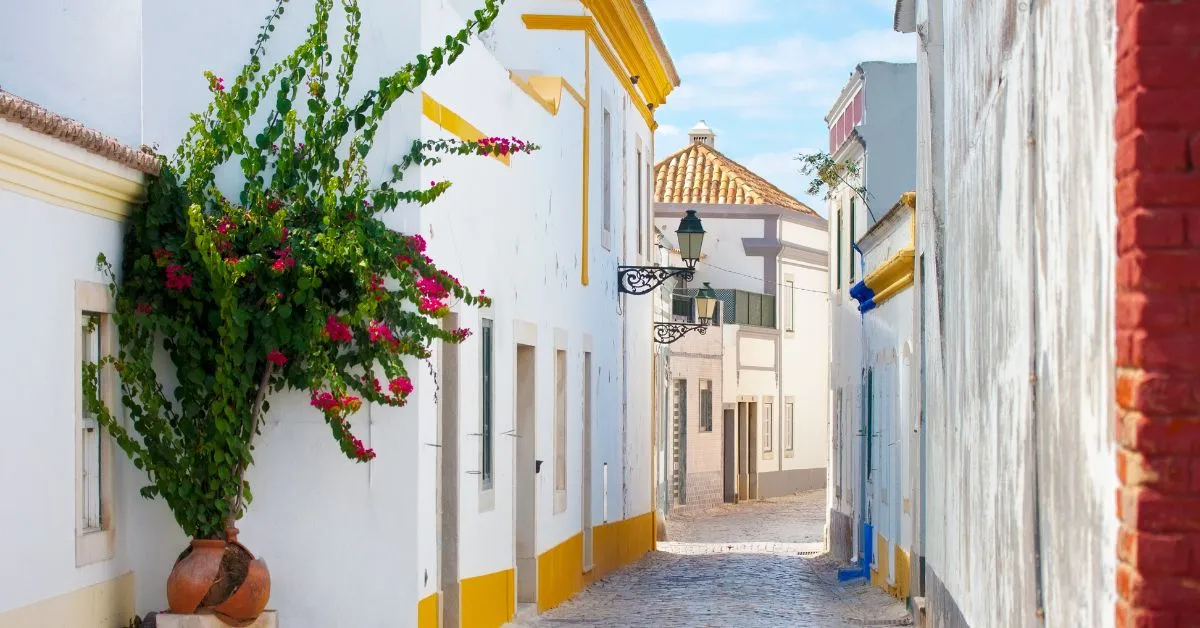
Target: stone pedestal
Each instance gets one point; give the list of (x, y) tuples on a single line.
[(169, 620)]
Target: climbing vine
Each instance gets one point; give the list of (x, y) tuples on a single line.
[(293, 283), (827, 174)]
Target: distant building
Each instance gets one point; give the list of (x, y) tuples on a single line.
[(872, 125), (747, 412)]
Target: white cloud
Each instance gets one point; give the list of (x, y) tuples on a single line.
[(707, 11), (773, 79), (668, 131)]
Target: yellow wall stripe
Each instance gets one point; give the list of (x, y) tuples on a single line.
[(453, 123), (427, 612), (488, 601), (104, 605)]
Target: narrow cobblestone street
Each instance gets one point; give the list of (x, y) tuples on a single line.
[(754, 565)]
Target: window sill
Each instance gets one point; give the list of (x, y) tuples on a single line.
[(94, 546), (487, 499), (768, 455)]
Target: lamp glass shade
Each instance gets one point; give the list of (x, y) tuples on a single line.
[(706, 303), (691, 237)]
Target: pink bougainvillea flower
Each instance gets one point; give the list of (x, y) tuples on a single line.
[(284, 261), (430, 305), (337, 330), (276, 357), (432, 288), (144, 308), (225, 226), (418, 242), (177, 280), (462, 333), (377, 331), (400, 386)]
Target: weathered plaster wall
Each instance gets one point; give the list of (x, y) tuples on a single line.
[(1020, 478)]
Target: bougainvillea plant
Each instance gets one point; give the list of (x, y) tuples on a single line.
[(827, 174), (295, 282)]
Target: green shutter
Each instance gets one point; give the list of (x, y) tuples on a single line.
[(851, 247)]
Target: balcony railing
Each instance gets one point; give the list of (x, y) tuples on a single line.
[(734, 307)]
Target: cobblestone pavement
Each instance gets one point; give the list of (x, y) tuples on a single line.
[(753, 565)]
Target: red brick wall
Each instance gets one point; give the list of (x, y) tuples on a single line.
[(1158, 313)]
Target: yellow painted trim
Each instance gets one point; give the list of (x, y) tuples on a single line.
[(427, 612), (618, 19), (888, 554), (587, 153), (614, 545), (547, 91), (454, 124), (488, 601), (104, 605), (43, 174), (892, 276), (587, 25)]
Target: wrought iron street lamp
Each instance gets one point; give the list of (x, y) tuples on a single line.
[(706, 305), (643, 279)]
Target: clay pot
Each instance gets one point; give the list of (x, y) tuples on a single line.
[(221, 577)]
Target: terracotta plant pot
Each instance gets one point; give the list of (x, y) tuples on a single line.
[(221, 577)]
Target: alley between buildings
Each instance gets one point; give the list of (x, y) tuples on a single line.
[(756, 564)]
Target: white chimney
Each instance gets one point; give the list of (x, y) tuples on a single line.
[(703, 134)]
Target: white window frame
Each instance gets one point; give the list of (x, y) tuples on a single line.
[(560, 423), (95, 541), (487, 438), (606, 175), (789, 427), (768, 427), (789, 305)]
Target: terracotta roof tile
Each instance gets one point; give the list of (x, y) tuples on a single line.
[(37, 118), (700, 173)]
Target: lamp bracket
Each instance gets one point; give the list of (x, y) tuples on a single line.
[(667, 333), (643, 279)]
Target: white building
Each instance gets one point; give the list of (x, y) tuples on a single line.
[(871, 125), (452, 524), (748, 398)]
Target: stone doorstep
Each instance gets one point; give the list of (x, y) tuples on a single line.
[(268, 619)]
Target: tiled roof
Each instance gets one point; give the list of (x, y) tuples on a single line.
[(699, 173), (37, 118)]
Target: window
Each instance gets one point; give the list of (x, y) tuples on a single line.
[(789, 299), (870, 410), (638, 190), (487, 403), (837, 249), (94, 526), (850, 248), (560, 425), (681, 307), (754, 309), (767, 424), (789, 435), (606, 179), (706, 403)]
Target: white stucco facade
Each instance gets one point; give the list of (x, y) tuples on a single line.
[(775, 364), (365, 544)]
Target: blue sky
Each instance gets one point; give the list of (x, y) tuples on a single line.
[(763, 74)]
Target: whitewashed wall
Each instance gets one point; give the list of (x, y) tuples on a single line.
[(319, 520), (1022, 374)]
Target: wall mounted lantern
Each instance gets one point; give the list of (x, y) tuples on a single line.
[(643, 279), (706, 305)]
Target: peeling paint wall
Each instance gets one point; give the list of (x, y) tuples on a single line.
[(1020, 519)]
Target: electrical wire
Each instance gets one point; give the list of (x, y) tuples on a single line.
[(784, 285)]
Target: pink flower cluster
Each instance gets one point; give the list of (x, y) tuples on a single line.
[(377, 287), (177, 280), (461, 334), (329, 404), (276, 357), (144, 308), (377, 331), (284, 260), (225, 226), (400, 386), (502, 146), (217, 83), (361, 452), (337, 330)]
